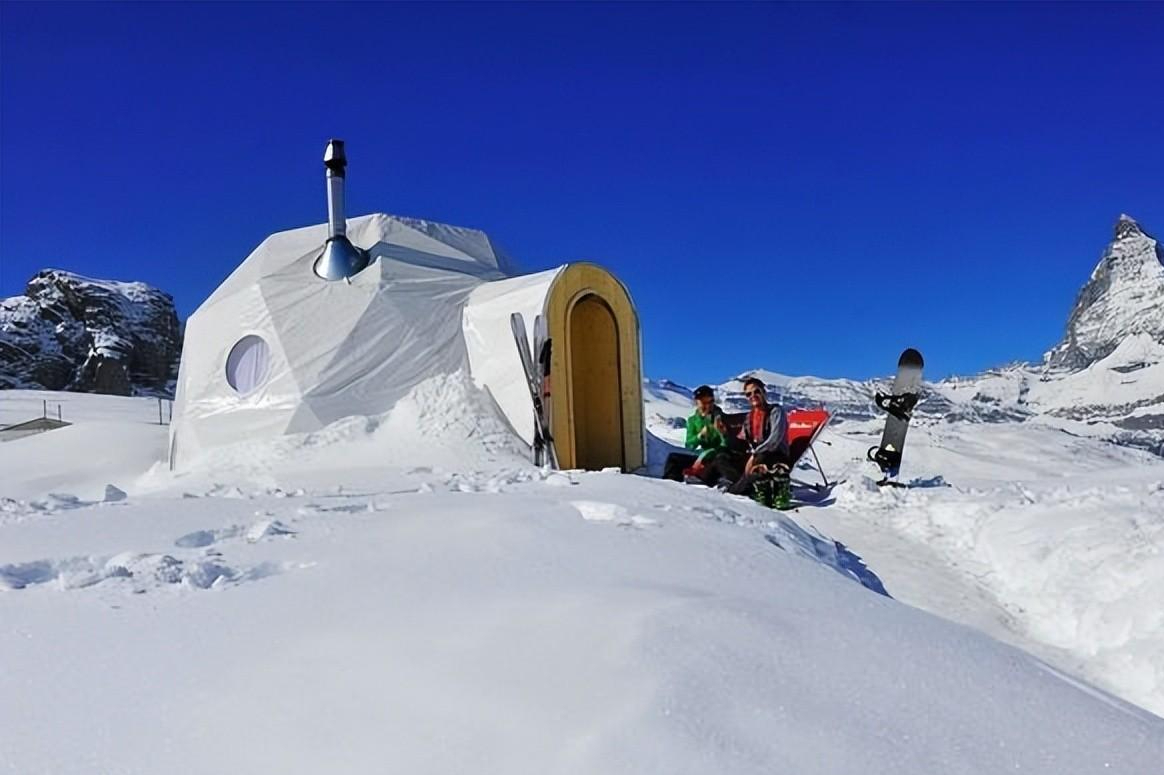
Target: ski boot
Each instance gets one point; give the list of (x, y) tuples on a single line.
[(762, 492), (781, 489)]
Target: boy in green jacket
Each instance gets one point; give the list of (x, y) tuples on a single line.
[(705, 431)]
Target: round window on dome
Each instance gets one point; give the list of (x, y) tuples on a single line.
[(248, 364)]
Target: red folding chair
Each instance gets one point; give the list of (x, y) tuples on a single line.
[(804, 426)]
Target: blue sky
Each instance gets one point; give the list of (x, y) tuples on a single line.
[(807, 188)]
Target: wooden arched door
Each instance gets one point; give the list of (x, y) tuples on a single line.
[(595, 384)]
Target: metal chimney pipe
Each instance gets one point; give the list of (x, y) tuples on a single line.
[(340, 259), (336, 164)]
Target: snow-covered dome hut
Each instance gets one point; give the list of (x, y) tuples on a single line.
[(278, 349)]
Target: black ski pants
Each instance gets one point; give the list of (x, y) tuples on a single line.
[(731, 466), (675, 465)]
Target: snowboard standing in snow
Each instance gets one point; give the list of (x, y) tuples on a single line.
[(536, 377), (899, 406)]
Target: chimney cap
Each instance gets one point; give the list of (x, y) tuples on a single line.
[(334, 158)]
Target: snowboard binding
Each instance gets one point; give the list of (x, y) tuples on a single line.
[(887, 459), (900, 406)]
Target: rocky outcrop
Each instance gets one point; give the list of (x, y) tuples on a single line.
[(69, 332), (1124, 297)]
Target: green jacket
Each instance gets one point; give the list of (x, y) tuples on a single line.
[(713, 440)]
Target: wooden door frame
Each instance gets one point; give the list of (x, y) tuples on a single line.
[(574, 283)]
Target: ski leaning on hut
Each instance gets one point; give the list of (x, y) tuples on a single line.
[(537, 377)]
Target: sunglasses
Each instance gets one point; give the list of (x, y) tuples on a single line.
[(750, 393)]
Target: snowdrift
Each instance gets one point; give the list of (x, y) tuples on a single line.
[(507, 621), (327, 602), (1038, 537)]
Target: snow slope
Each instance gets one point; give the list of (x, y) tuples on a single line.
[(364, 600), (111, 439), (1039, 537), (17, 406)]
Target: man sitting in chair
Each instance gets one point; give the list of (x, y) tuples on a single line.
[(761, 471)]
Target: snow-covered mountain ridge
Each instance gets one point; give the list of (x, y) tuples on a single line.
[(1119, 398), (69, 332)]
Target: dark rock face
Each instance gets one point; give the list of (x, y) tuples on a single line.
[(69, 332), (1123, 297)]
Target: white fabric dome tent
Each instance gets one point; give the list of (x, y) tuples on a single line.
[(278, 350)]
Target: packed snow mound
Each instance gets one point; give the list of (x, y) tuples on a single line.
[(69, 332), (444, 421), (1123, 298), (78, 459), (553, 622), (1077, 565)]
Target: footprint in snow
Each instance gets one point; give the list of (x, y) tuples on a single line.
[(559, 479), (718, 513), (57, 501), (279, 492), (218, 491), (199, 538), (598, 511), (264, 528), (315, 509), (142, 571), (63, 501)]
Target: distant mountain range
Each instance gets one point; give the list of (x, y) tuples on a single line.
[(1104, 379)]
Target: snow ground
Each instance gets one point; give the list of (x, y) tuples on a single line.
[(1049, 541), (360, 599), (1056, 542), (18, 406)]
